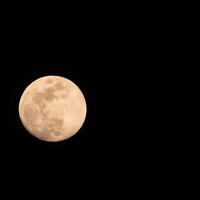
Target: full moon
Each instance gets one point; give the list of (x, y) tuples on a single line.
[(52, 108)]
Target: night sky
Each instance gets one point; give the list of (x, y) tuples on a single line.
[(186, 92), (119, 58)]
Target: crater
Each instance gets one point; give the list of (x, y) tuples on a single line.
[(59, 86), (37, 98), (30, 115), (55, 122), (44, 113), (63, 96), (54, 126), (49, 94), (42, 134), (49, 81), (57, 133)]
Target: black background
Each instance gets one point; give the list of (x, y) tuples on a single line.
[(187, 121), (119, 59), (187, 82)]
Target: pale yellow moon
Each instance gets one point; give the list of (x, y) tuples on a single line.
[(52, 108)]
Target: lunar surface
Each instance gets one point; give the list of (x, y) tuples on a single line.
[(52, 108)]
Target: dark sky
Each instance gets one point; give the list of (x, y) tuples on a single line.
[(119, 58), (187, 84)]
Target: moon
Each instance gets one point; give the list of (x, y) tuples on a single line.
[(52, 108)]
